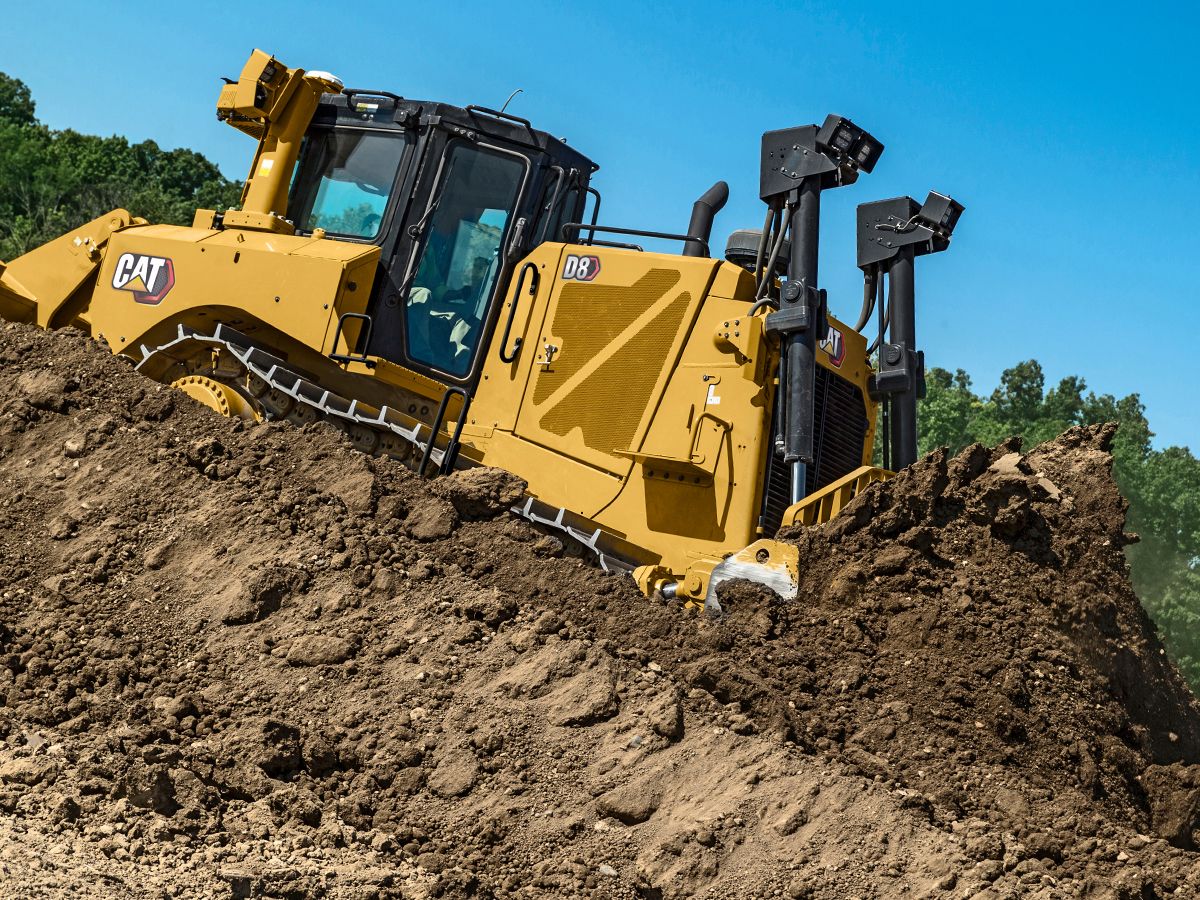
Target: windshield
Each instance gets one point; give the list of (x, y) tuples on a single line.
[(344, 179)]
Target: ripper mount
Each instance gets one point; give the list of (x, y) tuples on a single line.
[(891, 234)]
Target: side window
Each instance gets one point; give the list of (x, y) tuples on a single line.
[(343, 181), (456, 274)]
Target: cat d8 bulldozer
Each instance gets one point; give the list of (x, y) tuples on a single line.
[(435, 282)]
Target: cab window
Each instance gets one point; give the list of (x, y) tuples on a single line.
[(344, 180), (462, 256)]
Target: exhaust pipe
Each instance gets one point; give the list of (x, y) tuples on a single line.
[(704, 211)]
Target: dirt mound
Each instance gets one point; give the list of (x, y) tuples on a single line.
[(248, 661)]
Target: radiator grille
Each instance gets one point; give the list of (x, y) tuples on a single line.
[(840, 417)]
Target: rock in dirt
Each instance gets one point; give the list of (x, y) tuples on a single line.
[(632, 803), (434, 521), (319, 650), (482, 492), (262, 595), (665, 716), (454, 774)]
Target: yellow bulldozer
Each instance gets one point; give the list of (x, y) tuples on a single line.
[(434, 281)]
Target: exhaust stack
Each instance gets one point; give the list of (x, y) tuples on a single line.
[(704, 211)]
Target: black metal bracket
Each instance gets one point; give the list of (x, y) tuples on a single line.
[(451, 452), (900, 370), (798, 313), (345, 358), (834, 153), (505, 356), (885, 227), (572, 229)]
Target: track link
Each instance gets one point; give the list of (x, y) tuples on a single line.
[(284, 394)]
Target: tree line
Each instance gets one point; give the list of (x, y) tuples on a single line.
[(52, 181)]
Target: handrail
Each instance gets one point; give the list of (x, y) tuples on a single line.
[(451, 452), (505, 356), (577, 227), (495, 113), (596, 207), (345, 358), (351, 93)]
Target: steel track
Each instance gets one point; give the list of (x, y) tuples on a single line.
[(284, 394)]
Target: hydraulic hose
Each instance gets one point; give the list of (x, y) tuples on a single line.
[(768, 275), (763, 237), (868, 304)]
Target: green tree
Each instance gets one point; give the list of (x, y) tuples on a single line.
[(16, 102), (53, 181)]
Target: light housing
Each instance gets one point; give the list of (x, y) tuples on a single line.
[(940, 213), (847, 141)]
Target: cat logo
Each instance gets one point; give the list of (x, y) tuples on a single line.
[(834, 346), (148, 278)]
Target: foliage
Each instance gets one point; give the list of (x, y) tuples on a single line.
[(1162, 486), (16, 102), (53, 181)]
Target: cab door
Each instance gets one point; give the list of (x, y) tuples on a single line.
[(454, 262)]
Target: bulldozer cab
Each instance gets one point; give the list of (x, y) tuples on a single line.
[(453, 197)]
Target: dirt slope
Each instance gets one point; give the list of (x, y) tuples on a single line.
[(250, 662)]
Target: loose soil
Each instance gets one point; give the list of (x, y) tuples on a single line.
[(251, 662)]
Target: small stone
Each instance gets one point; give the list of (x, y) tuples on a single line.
[(631, 803), (455, 774), (433, 521), (1008, 464), (665, 717), (62, 527), (73, 447), (607, 870), (319, 650), (480, 492), (26, 770)]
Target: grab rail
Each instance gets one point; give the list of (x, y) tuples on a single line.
[(505, 356)]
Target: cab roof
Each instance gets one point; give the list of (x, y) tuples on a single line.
[(387, 110)]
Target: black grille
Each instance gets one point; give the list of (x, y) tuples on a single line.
[(841, 429)]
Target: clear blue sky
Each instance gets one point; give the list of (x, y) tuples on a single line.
[(1070, 134)]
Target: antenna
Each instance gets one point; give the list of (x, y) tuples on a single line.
[(509, 100)]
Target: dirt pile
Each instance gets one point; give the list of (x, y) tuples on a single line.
[(248, 661)]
